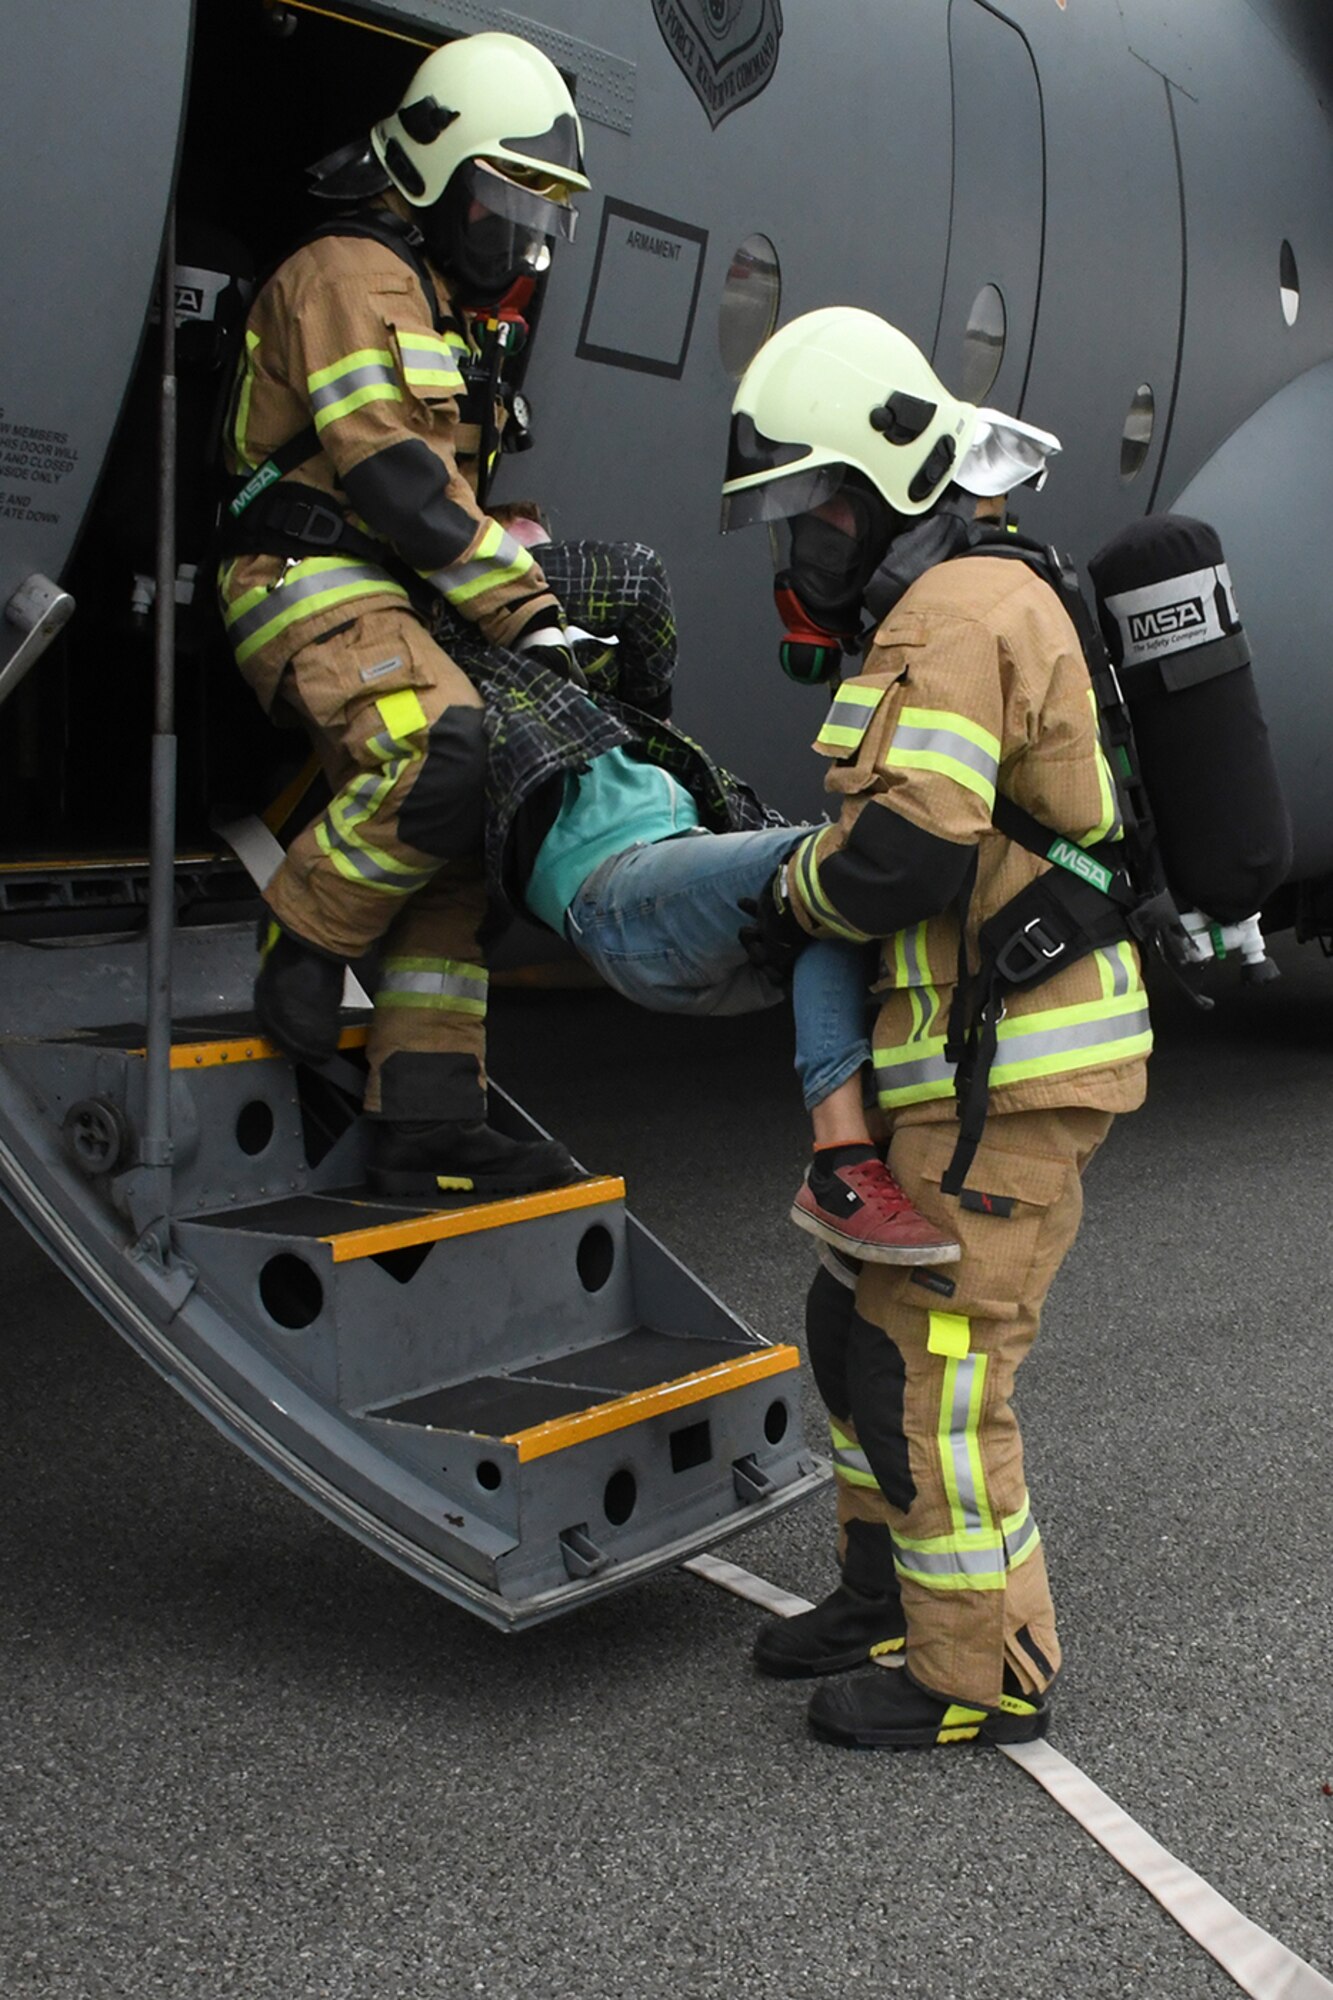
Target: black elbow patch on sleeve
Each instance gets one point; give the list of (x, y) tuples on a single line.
[(444, 812), (403, 492), (892, 874)]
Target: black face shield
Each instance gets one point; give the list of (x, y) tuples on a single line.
[(487, 231)]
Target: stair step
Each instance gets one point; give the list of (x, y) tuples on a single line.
[(356, 1223), (608, 1387)]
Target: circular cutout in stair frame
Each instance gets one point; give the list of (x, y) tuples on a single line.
[(621, 1497), (488, 1474), (776, 1419), (290, 1291), (254, 1126), (596, 1257)]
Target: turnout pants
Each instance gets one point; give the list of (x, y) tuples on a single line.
[(396, 853), (917, 1370)]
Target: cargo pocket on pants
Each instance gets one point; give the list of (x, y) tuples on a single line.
[(1002, 1220)]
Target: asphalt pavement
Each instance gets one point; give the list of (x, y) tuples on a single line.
[(241, 1756)]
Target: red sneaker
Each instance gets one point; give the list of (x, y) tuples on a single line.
[(861, 1209)]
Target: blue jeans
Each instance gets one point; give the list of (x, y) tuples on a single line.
[(660, 923)]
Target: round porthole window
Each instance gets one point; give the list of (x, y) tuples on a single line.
[(1289, 284), (750, 298), (1136, 438), (983, 344)]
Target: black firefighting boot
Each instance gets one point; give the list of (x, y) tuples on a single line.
[(430, 1136), (891, 1712), (861, 1620), (298, 994)]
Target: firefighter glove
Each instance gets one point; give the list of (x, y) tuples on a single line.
[(775, 940)]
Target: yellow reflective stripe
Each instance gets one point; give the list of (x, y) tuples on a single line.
[(1075, 1037), (1113, 1029), (960, 1446), (315, 584), (364, 357), (448, 985), (1109, 826), (429, 361), (1117, 970), (1022, 1537), (241, 426), (950, 1334), (914, 1074), (929, 739), (849, 1461), (338, 833), (850, 716), (402, 713), (806, 863), (372, 392), (479, 573)]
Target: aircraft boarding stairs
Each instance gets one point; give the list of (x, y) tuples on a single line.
[(525, 1403)]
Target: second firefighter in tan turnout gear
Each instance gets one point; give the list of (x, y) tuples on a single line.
[(973, 687), (358, 430)]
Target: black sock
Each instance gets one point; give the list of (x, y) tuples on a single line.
[(828, 1159)]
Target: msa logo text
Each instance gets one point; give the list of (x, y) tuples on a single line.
[(1066, 855), (1167, 621)]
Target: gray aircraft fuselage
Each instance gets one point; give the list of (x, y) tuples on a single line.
[(1145, 188)]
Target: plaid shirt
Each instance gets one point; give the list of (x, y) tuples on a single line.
[(538, 725)]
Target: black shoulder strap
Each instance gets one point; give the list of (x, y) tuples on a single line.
[(405, 240)]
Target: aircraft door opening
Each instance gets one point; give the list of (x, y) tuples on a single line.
[(992, 282)]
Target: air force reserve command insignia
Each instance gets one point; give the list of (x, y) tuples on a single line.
[(728, 49)]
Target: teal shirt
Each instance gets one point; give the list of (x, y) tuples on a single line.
[(616, 803)]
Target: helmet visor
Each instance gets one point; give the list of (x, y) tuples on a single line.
[(536, 203), (785, 495)]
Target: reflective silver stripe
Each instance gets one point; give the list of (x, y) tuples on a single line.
[(1036, 1046), (912, 955), (1118, 970), (285, 596), (442, 986), (494, 564), (346, 384), (947, 743), (428, 357), (1021, 1540), (949, 1562), (966, 1374), (896, 1075)]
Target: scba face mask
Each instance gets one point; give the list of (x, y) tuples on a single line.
[(824, 559), (488, 231)]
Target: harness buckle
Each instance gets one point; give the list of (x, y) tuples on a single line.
[(310, 521), (1027, 951)]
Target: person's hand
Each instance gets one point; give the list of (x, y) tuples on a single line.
[(775, 940)]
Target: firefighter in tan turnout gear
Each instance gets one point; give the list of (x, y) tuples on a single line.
[(363, 423), (884, 495)]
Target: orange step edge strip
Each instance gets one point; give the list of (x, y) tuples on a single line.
[(562, 1432), (438, 1224), (244, 1049)]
